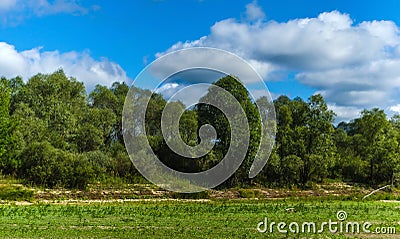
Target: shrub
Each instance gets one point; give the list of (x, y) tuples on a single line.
[(44, 165), (99, 162), (81, 174), (11, 192), (199, 195), (248, 193)]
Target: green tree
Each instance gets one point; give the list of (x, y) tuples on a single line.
[(58, 101), (304, 142), (42, 164), (8, 162), (120, 90), (95, 129), (112, 99), (284, 138), (320, 147), (375, 141), (208, 114)]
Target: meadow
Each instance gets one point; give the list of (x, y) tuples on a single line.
[(179, 218)]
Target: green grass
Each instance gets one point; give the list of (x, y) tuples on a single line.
[(12, 190), (186, 219)]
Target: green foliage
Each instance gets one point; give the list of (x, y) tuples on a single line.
[(210, 115), (248, 193), (373, 144), (15, 193), (58, 101), (99, 162), (199, 195), (291, 167), (121, 165), (53, 134), (80, 174), (188, 126), (8, 162), (61, 137), (95, 129), (42, 164), (305, 147), (4, 116)]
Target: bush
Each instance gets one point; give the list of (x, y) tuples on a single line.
[(354, 169), (14, 193), (99, 162), (122, 166), (249, 193), (291, 168), (81, 174), (199, 195), (44, 165)]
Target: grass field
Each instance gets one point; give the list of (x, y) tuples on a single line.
[(190, 218)]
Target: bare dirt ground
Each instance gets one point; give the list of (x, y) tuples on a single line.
[(98, 193), (148, 191)]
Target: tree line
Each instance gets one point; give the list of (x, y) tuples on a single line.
[(54, 134)]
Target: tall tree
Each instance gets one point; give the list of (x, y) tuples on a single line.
[(120, 91), (304, 143), (58, 101), (208, 114), (375, 141), (7, 160), (320, 148)]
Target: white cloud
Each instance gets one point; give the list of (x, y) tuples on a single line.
[(371, 84), (188, 95), (387, 31), (44, 7), (12, 12), (395, 108), (77, 64), (344, 113), (167, 89), (254, 12), (353, 65), (335, 20), (209, 59), (324, 42)]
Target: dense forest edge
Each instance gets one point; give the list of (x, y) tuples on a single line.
[(55, 135)]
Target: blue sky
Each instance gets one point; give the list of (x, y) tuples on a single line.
[(347, 50)]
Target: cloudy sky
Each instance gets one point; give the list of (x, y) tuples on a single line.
[(349, 51)]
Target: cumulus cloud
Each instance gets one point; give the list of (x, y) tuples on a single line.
[(354, 65), (183, 81), (13, 12), (343, 113), (206, 58), (395, 108), (77, 64), (370, 84), (189, 95), (254, 12)]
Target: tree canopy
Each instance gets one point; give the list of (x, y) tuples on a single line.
[(53, 133)]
